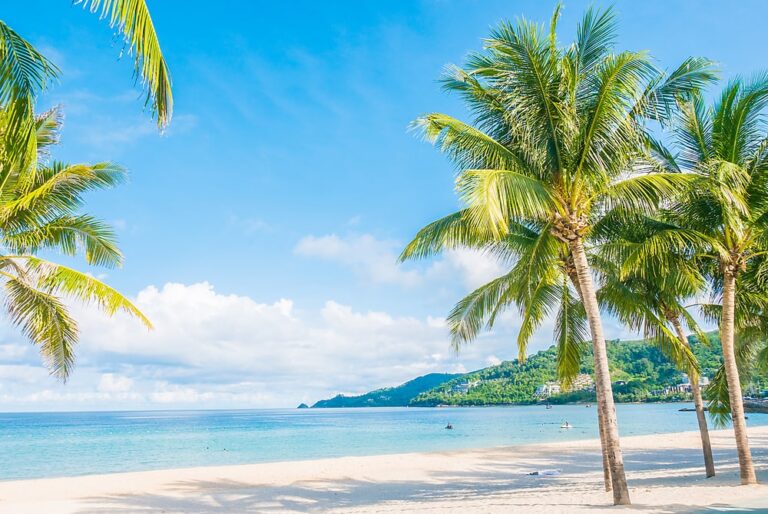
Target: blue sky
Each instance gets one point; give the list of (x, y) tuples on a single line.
[(260, 231)]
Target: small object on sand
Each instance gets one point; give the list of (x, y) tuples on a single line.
[(545, 473), (449, 427)]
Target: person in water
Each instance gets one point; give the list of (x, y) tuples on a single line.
[(449, 427)]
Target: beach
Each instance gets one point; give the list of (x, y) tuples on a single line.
[(664, 470)]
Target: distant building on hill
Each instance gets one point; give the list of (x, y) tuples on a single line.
[(581, 382), (548, 389), (684, 386), (464, 387)]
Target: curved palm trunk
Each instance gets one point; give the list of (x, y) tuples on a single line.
[(746, 468), (602, 376), (706, 446), (600, 421)]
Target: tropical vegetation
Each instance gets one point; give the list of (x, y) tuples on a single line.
[(721, 222), (559, 151), (40, 198), (641, 373)]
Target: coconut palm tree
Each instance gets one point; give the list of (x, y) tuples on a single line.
[(724, 214), (557, 291), (39, 210), (557, 142), (652, 300)]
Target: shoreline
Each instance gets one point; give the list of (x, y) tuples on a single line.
[(664, 472)]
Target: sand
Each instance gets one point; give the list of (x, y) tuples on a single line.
[(665, 475)]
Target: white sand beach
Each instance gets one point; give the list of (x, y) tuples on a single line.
[(664, 471)]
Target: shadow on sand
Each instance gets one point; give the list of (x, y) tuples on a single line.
[(496, 485)]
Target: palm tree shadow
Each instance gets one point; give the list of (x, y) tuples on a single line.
[(500, 483)]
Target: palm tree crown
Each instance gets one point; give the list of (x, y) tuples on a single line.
[(39, 210), (722, 220)]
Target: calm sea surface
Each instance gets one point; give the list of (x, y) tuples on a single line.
[(62, 444)]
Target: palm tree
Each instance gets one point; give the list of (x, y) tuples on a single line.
[(557, 141), (725, 147), (39, 211), (652, 299)]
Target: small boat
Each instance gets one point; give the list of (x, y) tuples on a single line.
[(549, 406), (566, 425)]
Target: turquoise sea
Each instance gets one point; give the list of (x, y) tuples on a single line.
[(63, 444)]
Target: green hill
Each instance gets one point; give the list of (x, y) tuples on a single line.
[(398, 396), (639, 371)]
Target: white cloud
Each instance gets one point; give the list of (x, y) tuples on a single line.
[(472, 267), (373, 259), (492, 360), (214, 350), (111, 383), (222, 350)]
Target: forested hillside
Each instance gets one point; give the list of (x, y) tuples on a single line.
[(640, 373)]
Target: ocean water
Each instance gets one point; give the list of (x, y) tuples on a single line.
[(36, 445)]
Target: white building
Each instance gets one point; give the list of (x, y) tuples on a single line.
[(548, 389)]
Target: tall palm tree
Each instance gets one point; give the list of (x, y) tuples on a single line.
[(557, 141), (725, 148), (652, 299), (39, 210)]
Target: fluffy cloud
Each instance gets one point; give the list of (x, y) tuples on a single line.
[(215, 350), (473, 267), (111, 383), (375, 260), (221, 350)]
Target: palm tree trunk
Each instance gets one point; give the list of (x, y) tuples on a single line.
[(706, 446), (746, 468), (600, 421), (604, 452), (602, 376)]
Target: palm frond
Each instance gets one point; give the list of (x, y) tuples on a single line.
[(24, 74), (466, 146), (57, 189), (44, 319), (61, 280), (571, 334), (645, 193), (477, 310), (495, 196), (70, 235), (132, 20)]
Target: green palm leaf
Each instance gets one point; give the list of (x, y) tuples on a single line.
[(132, 20), (44, 319)]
